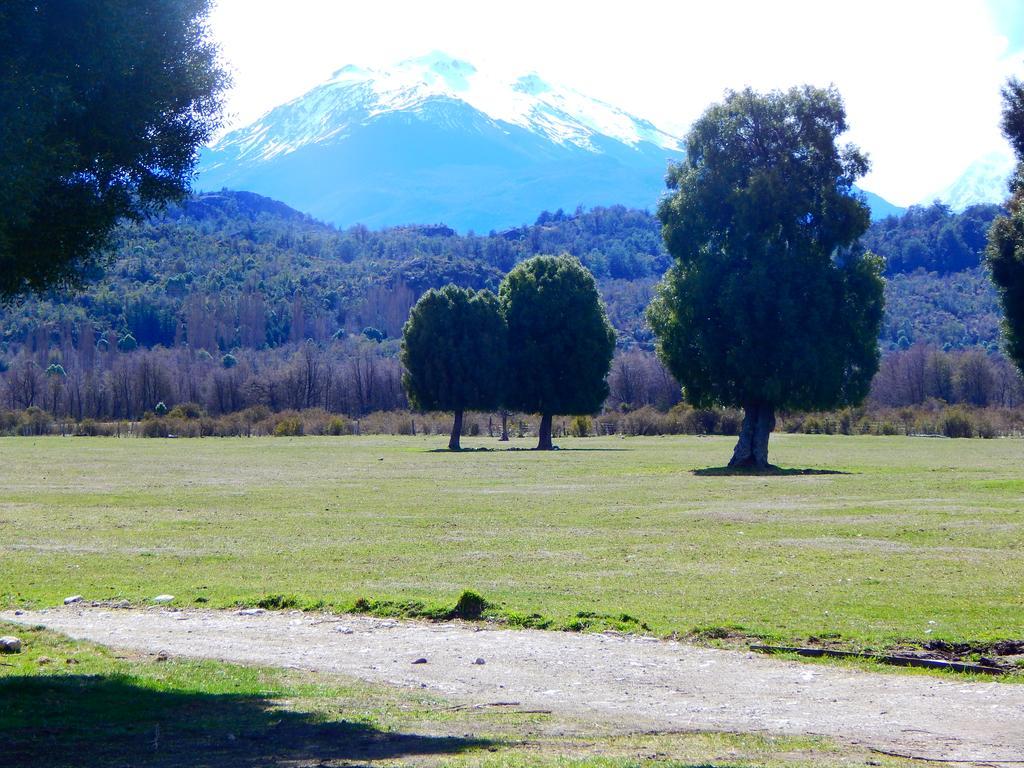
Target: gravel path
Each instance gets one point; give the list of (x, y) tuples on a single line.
[(632, 682)]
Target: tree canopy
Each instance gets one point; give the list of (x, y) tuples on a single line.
[(767, 306), (103, 106), (560, 342), (454, 350), (1006, 238)]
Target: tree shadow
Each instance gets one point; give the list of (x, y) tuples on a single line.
[(770, 471), (517, 449), (462, 450), (559, 449), (91, 720)]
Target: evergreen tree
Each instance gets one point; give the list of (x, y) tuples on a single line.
[(1006, 238), (765, 306), (454, 352), (560, 342), (103, 106)]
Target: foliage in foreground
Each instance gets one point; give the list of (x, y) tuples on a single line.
[(1006, 239), (103, 107)]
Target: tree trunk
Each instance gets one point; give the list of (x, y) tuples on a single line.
[(752, 446), (454, 443), (544, 436), (504, 427)]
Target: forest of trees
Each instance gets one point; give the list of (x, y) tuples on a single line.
[(236, 270), (355, 377), (240, 278)]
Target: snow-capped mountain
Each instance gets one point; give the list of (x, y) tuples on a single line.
[(984, 181), (354, 96), (433, 139)]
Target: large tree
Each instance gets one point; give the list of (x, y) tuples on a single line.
[(103, 106), (560, 341), (454, 350), (1006, 237), (767, 305)]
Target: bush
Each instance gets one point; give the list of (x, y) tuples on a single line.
[(34, 421), (91, 428), (730, 422), (8, 421), (339, 425), (154, 428), (185, 411), (984, 427), (581, 426), (956, 423), (469, 606), (288, 426)]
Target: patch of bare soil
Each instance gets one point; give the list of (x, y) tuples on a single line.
[(629, 683)]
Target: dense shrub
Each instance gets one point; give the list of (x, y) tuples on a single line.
[(34, 421), (956, 423), (186, 411), (288, 426), (581, 426), (154, 428)]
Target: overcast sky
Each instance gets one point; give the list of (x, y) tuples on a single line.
[(921, 79)]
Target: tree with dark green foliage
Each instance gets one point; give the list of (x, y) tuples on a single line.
[(454, 349), (103, 106), (560, 342), (1006, 238), (767, 306)]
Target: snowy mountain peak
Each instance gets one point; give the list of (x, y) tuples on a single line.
[(984, 181), (437, 66), (531, 84), (435, 138), (355, 95), (349, 71)]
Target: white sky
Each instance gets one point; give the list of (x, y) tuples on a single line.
[(921, 79)]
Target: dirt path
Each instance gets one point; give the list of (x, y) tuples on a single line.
[(635, 683)]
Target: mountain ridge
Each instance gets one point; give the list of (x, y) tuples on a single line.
[(435, 139)]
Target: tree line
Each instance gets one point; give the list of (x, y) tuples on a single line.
[(235, 270)]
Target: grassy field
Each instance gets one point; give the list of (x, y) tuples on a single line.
[(77, 704), (892, 539)]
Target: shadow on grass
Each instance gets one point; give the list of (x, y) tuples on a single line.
[(462, 450), (516, 449), (82, 720), (769, 471)]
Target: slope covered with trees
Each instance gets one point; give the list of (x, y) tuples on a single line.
[(237, 270)]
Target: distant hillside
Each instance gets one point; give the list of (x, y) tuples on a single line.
[(238, 270), (932, 238)]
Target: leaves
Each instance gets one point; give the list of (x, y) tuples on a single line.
[(453, 349), (103, 105), (758, 308), (560, 342)]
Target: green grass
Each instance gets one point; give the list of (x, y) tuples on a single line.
[(76, 704), (917, 539)]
